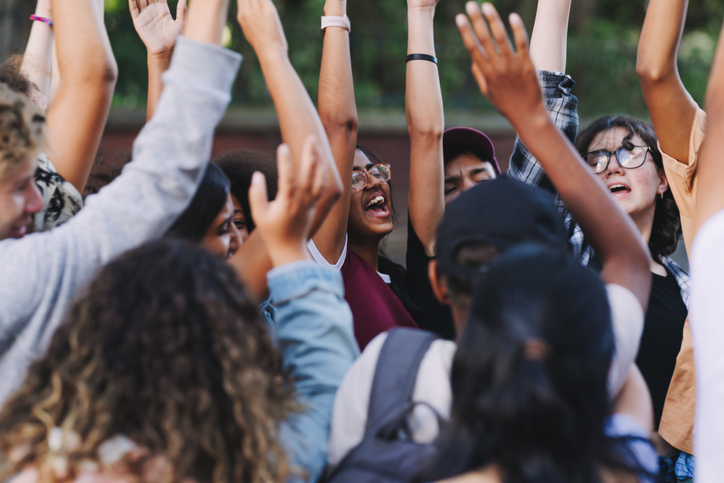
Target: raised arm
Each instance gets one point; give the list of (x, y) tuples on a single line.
[(88, 74), (338, 112), (298, 119), (425, 124), (548, 46), (158, 31), (38, 58), (508, 79), (549, 40), (671, 107)]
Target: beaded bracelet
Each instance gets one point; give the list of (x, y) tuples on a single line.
[(36, 18)]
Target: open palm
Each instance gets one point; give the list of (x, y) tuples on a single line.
[(155, 25)]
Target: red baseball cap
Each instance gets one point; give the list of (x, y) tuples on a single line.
[(460, 140)]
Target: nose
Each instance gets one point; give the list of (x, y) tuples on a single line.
[(372, 182), (468, 183), (33, 199), (235, 240), (613, 166)]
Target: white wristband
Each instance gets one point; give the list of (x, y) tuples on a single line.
[(337, 22)]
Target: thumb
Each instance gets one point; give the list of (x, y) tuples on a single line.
[(258, 197), (181, 12)]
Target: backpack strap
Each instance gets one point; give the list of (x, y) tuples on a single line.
[(396, 373)]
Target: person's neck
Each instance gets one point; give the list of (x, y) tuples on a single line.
[(367, 251), (645, 223)]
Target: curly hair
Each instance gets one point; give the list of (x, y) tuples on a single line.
[(166, 348), (666, 229), (22, 128), (11, 74)]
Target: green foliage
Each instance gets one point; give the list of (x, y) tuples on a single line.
[(601, 53)]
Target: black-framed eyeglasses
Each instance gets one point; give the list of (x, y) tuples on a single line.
[(628, 158), (380, 172)]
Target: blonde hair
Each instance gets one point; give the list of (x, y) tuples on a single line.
[(22, 128)]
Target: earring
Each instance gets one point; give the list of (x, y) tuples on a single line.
[(662, 195)]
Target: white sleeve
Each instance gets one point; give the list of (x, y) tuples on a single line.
[(349, 415), (627, 320), (319, 258), (707, 331)]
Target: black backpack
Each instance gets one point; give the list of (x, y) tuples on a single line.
[(387, 453)]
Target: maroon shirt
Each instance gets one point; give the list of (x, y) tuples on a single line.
[(375, 307)]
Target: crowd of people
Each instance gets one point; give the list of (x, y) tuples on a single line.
[(236, 319)]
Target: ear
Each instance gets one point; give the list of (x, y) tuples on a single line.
[(437, 281), (663, 183)]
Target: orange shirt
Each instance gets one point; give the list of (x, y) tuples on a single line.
[(677, 420)]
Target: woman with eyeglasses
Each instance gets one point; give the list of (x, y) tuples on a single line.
[(350, 236), (623, 152)]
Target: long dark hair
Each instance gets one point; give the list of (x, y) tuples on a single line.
[(167, 348), (666, 228), (239, 165), (208, 201), (529, 378)]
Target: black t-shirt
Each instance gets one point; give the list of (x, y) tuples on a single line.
[(432, 315), (661, 339)]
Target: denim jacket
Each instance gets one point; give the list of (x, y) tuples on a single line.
[(314, 334)]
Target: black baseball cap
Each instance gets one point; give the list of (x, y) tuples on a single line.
[(501, 212), (461, 140)]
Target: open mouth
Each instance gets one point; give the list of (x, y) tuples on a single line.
[(19, 232), (377, 207), (619, 189)]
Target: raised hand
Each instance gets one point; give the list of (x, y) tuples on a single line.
[(285, 223), (153, 21), (506, 77), (262, 28)]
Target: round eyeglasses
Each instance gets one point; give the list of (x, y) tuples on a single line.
[(628, 158), (380, 172)]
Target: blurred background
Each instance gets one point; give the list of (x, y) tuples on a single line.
[(601, 58)]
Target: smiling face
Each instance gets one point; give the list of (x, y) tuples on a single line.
[(464, 172), (19, 199), (636, 189), (223, 238), (370, 214)]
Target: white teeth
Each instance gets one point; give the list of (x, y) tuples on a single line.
[(376, 200)]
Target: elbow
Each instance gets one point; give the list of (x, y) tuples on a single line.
[(340, 123), (650, 71), (427, 134)]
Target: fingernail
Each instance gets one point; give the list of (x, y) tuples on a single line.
[(488, 9), (257, 178), (471, 7), (460, 20)]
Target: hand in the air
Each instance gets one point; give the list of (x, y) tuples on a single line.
[(505, 76), (262, 28), (155, 25)]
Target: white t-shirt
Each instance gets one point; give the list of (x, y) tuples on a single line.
[(707, 331), (319, 258), (349, 416)]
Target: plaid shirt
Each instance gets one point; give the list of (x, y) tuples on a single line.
[(563, 108)]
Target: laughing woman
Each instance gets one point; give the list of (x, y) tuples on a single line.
[(349, 239)]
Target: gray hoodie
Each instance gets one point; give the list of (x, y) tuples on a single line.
[(41, 274)]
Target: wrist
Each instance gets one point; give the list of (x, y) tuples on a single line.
[(288, 254), (161, 59), (421, 12), (272, 56), (537, 120)]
